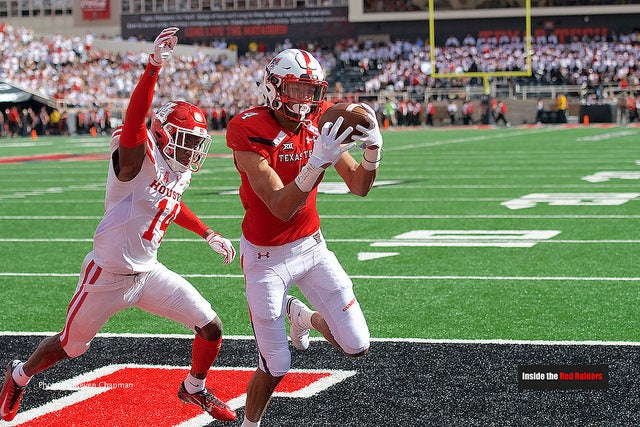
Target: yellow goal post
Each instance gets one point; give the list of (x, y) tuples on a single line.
[(485, 75)]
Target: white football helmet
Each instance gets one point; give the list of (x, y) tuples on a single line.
[(180, 130), (293, 84)]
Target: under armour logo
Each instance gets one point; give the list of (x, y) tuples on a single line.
[(266, 255)]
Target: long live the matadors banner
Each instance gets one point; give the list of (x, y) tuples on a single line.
[(242, 26)]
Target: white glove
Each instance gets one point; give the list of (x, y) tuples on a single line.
[(329, 146), (163, 46), (370, 137), (370, 141), (222, 246)]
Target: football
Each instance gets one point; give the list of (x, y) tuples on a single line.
[(353, 114)]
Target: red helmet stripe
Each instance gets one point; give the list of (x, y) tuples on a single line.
[(307, 60)]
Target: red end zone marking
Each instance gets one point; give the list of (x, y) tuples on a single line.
[(147, 395)]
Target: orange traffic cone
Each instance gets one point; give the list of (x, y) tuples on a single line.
[(94, 132), (34, 134), (585, 119)]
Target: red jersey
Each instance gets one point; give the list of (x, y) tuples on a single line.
[(286, 152)]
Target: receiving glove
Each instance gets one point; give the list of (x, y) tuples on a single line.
[(329, 146), (370, 141), (222, 246), (369, 137), (163, 46), (326, 151)]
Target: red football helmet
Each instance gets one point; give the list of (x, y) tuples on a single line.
[(180, 130), (293, 84)]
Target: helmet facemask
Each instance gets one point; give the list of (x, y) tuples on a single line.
[(180, 131), (187, 148), (293, 84), (301, 96)]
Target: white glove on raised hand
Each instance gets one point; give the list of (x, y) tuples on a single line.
[(370, 137), (329, 146), (222, 246), (163, 46)]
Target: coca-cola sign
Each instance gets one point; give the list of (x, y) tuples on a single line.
[(95, 9)]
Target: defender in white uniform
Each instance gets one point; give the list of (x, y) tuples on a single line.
[(148, 172)]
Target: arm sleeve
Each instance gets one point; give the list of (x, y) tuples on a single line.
[(189, 220), (134, 131)]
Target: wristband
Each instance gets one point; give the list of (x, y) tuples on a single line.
[(308, 177), (372, 163)]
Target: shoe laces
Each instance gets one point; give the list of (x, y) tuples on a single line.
[(15, 391), (210, 398)]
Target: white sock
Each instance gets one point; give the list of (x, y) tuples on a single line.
[(19, 376), (247, 423), (193, 384)]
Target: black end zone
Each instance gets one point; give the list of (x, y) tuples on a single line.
[(397, 383)]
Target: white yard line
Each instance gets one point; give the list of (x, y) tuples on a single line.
[(409, 340)]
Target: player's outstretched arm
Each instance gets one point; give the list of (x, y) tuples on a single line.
[(132, 147), (186, 218)]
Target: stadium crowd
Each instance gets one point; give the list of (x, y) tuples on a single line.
[(93, 82)]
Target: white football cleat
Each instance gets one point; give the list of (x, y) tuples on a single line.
[(299, 335)]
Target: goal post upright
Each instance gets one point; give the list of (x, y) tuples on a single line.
[(485, 75)]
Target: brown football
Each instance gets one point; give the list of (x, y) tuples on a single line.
[(354, 115)]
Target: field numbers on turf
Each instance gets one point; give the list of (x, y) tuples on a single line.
[(335, 187), (471, 238), (606, 176), (570, 199)]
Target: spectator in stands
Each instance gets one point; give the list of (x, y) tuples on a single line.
[(403, 113), (430, 112), (468, 108), (389, 113), (416, 113), (539, 111), (393, 64), (54, 122), (452, 110), (500, 113), (15, 122), (82, 125), (561, 107), (632, 110), (43, 121)]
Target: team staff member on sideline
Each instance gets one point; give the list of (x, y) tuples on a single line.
[(148, 172), (281, 157)]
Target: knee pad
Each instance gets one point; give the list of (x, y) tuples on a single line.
[(354, 340), (276, 363)]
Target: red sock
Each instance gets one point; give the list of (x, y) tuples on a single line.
[(204, 353)]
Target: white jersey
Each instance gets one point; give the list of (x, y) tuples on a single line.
[(137, 213)]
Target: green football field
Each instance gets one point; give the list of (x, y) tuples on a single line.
[(479, 234)]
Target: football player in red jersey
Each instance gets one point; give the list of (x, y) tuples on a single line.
[(148, 172), (281, 156)]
